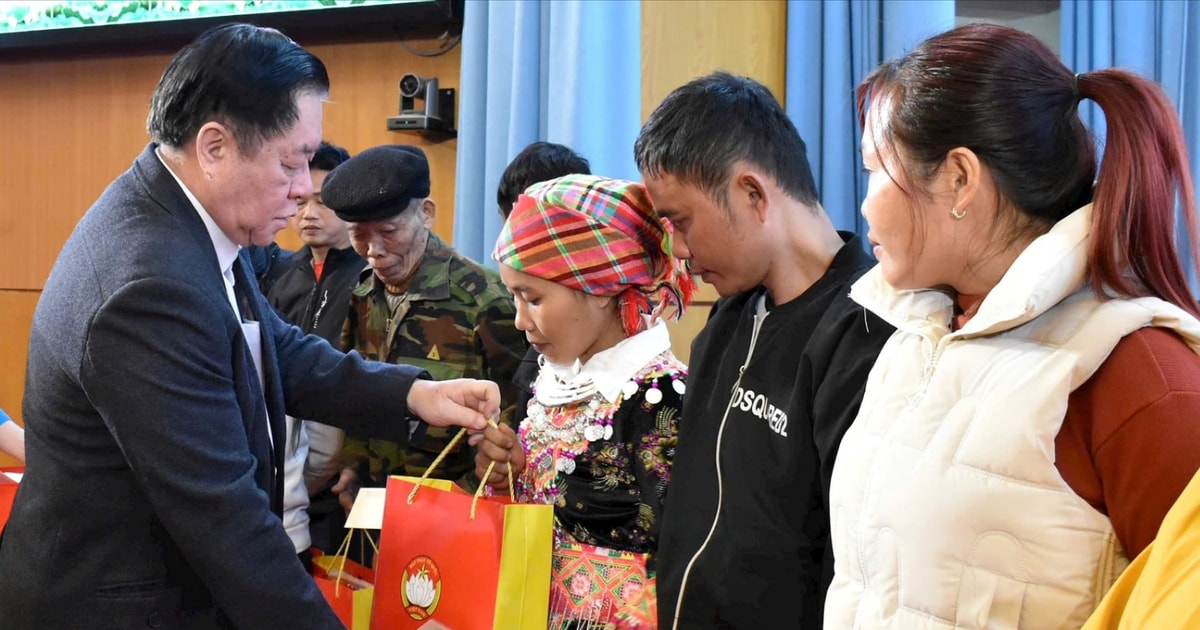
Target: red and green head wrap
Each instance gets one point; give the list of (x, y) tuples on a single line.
[(600, 236)]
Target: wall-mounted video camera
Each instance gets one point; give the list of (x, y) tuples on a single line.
[(435, 117)]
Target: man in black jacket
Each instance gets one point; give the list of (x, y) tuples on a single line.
[(313, 292), (776, 375)]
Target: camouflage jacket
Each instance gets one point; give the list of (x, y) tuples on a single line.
[(456, 322)]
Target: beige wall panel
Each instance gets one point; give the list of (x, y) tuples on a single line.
[(686, 329), (684, 39), (705, 293)]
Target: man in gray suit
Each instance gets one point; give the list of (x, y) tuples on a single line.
[(159, 378)]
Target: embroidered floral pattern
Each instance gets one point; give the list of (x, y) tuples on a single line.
[(610, 468), (605, 467), (656, 449)]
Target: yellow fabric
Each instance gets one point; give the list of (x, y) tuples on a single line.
[(1161, 589)]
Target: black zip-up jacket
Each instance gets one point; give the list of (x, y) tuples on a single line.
[(523, 379), (318, 307), (767, 563)]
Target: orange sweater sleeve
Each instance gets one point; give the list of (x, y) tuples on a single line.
[(1129, 442)]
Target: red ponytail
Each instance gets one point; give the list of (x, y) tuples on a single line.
[(1143, 172)]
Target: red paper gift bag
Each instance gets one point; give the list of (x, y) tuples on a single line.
[(466, 562), (8, 492), (347, 586)]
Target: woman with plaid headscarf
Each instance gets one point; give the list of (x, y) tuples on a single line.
[(588, 263)]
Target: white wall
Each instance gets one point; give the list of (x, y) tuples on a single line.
[(1040, 18)]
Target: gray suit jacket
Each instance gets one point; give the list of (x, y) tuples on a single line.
[(151, 497)]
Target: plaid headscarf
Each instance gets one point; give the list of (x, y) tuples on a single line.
[(600, 236)]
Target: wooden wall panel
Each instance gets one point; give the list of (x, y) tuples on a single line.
[(70, 128), (72, 125), (684, 39)]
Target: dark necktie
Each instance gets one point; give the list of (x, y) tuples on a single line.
[(243, 292)]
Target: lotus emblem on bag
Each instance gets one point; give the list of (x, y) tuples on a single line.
[(419, 590), (422, 587)]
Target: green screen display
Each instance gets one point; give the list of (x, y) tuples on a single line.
[(20, 17)]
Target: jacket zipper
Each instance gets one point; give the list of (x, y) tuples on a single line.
[(926, 375), (320, 308), (909, 407), (759, 315)]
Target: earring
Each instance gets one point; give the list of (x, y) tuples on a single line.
[(956, 213)]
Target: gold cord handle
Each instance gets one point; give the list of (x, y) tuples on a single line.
[(483, 482)]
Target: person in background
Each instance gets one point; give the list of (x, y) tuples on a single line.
[(313, 292), (538, 162), (1036, 413), (589, 265), (159, 378), (268, 262), (778, 371), (420, 303), (12, 437)]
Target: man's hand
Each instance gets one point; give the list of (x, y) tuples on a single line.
[(462, 402), (346, 488), (501, 445)]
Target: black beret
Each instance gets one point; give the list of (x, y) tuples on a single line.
[(377, 184)]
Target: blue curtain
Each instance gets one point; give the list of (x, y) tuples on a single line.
[(831, 46), (559, 71), (1159, 39)]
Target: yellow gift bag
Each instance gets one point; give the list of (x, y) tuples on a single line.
[(348, 587)]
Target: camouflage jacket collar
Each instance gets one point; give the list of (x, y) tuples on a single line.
[(431, 282)]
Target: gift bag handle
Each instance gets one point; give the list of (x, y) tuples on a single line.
[(478, 491), (343, 550)]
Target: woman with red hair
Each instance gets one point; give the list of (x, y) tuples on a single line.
[(1037, 411)]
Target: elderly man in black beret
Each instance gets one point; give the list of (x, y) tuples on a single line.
[(419, 303)]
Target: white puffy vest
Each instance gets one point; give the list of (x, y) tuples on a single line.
[(947, 510)]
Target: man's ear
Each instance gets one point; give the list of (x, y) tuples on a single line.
[(428, 212), (751, 190), (214, 145)]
